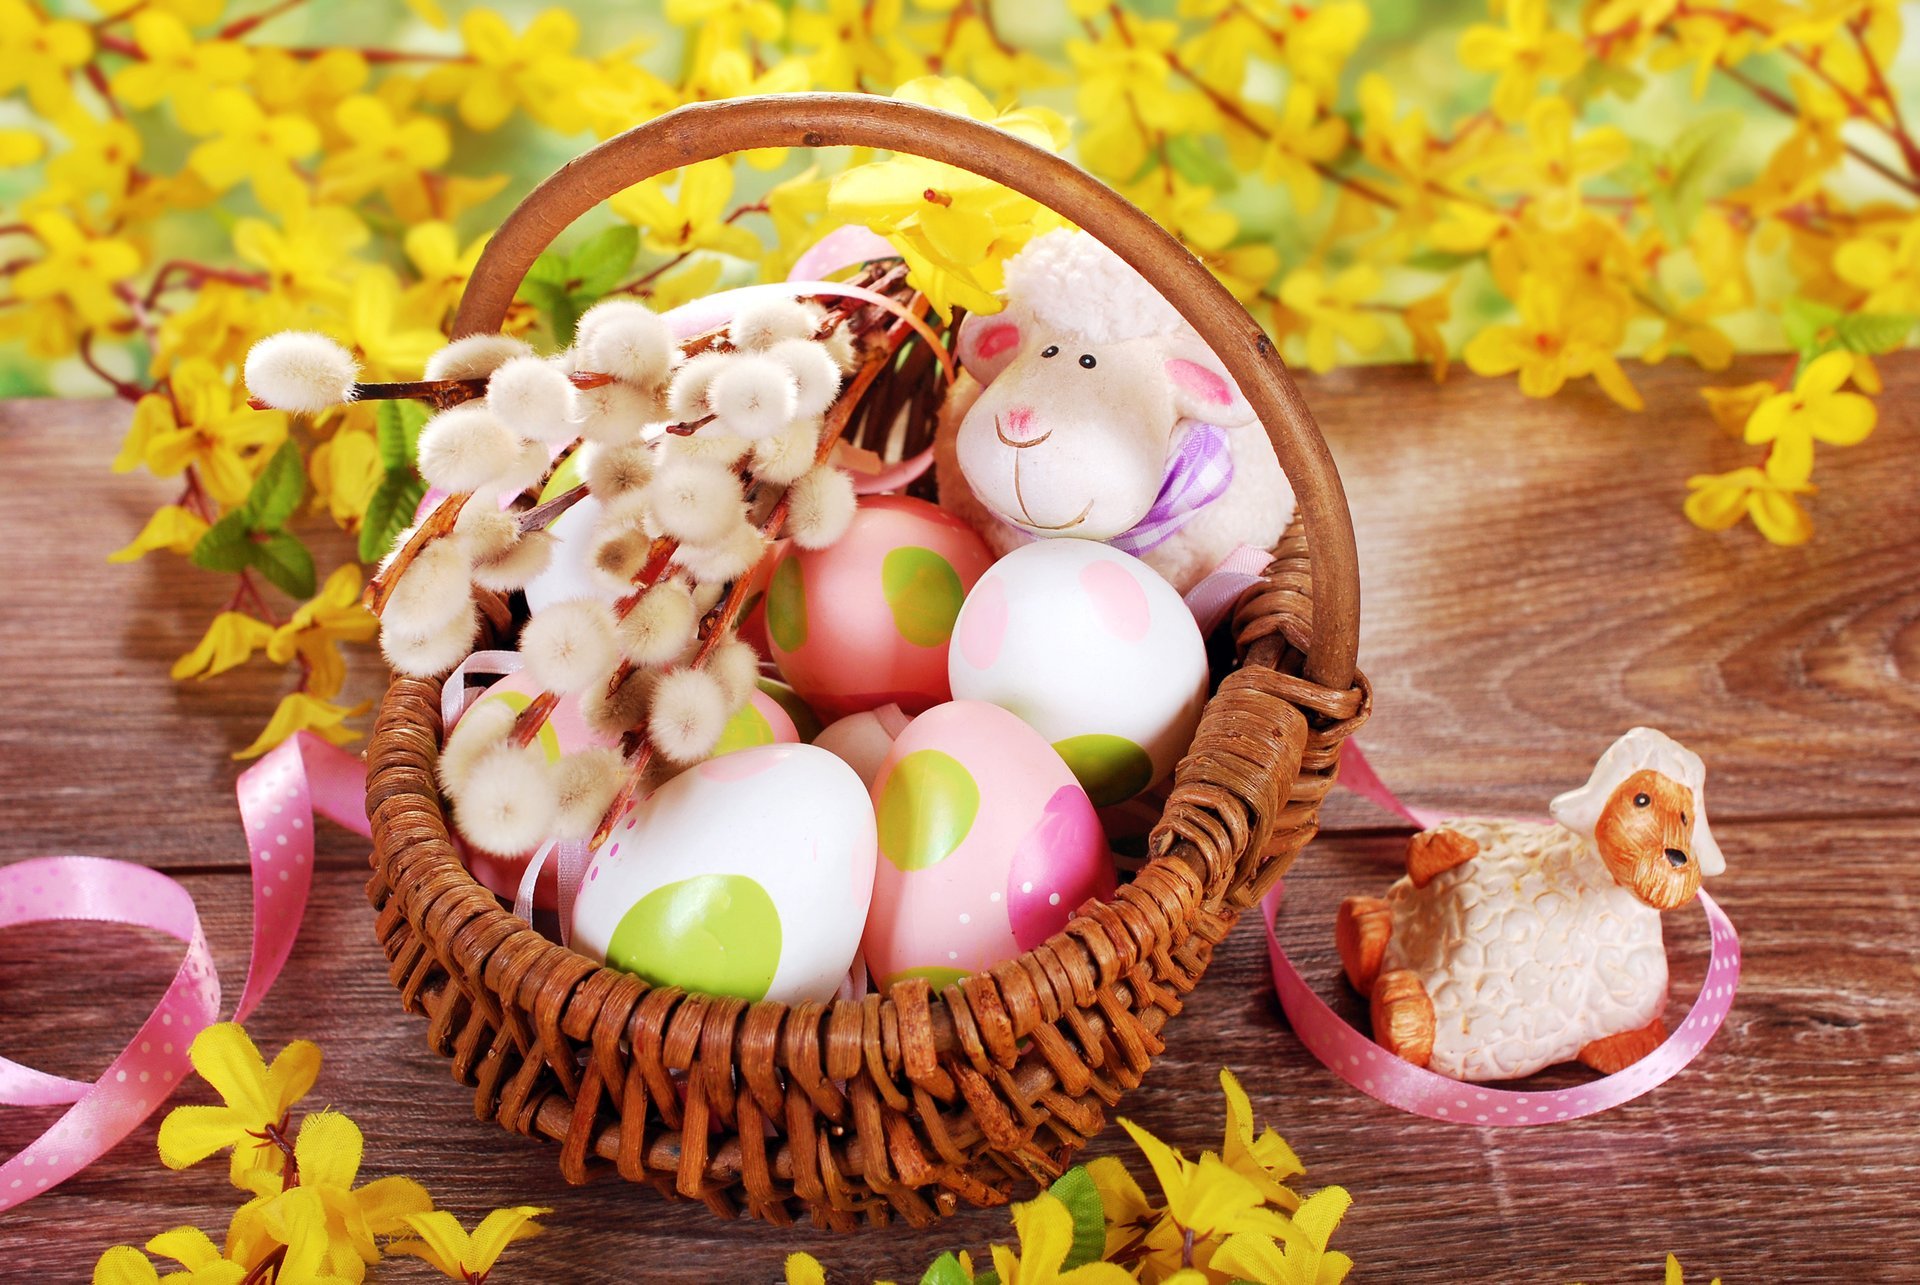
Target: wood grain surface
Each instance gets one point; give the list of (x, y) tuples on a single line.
[(1530, 590)]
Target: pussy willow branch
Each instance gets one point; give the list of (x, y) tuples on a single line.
[(443, 393), (722, 619)]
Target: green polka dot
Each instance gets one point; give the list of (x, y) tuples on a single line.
[(924, 593), (1112, 769), (714, 934), (926, 809), (787, 606), (937, 977), (806, 723), (744, 730), (518, 702), (564, 478)]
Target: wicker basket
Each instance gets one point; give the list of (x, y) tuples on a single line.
[(910, 1101)]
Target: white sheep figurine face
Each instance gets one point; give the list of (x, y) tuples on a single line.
[(1071, 434), (1645, 809)]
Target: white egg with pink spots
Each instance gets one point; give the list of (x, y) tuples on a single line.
[(1094, 650)]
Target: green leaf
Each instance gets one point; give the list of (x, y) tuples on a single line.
[(397, 426), (1874, 332), (389, 512), (597, 265), (1599, 77), (1076, 1191), (278, 490), (564, 316), (1809, 326), (946, 1270), (550, 269), (1678, 183), (1442, 260), (226, 545), (285, 562), (1195, 162)]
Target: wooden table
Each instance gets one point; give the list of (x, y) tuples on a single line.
[(1531, 591)]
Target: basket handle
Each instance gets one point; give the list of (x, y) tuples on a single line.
[(707, 131)]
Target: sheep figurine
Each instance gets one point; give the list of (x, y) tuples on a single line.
[(1089, 408), (1510, 946)]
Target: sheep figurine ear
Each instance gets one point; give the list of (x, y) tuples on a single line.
[(1202, 389), (989, 342), (1643, 747)]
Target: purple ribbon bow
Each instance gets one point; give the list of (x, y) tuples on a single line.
[(1199, 470)]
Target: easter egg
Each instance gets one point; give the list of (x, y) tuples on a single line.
[(987, 846), (566, 577), (749, 875), (866, 621), (806, 723), (752, 628), (761, 721), (862, 741), (1095, 651), (565, 732)]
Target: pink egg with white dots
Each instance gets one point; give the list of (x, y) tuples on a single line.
[(1093, 649), (987, 846), (866, 621)]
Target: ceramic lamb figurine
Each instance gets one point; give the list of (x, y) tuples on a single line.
[(1088, 408), (1510, 945)]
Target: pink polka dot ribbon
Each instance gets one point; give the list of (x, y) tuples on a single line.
[(279, 797), (1379, 1074)]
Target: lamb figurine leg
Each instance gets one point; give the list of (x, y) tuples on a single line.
[(1510, 946)]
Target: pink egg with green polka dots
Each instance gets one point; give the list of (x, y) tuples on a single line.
[(866, 621), (1093, 649), (987, 846)]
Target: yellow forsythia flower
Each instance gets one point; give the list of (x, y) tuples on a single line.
[(1524, 51), (1332, 310), (171, 528), (1816, 410), (326, 1217), (204, 420), (1045, 1229), (1558, 339), (188, 1246), (535, 71), (332, 616), (229, 642), (955, 230), (1298, 1255), (1719, 500), (804, 1269), (257, 1098), (454, 1253), (78, 269), (1731, 408), (305, 712), (1890, 274)]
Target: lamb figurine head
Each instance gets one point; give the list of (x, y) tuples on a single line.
[(1645, 809), (1509, 946), (1091, 409)]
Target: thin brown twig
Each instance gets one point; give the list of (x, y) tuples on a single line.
[(121, 388), (1781, 103), (241, 26)]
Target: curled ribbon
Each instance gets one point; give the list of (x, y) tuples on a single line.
[(279, 797), (1398, 1083)]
